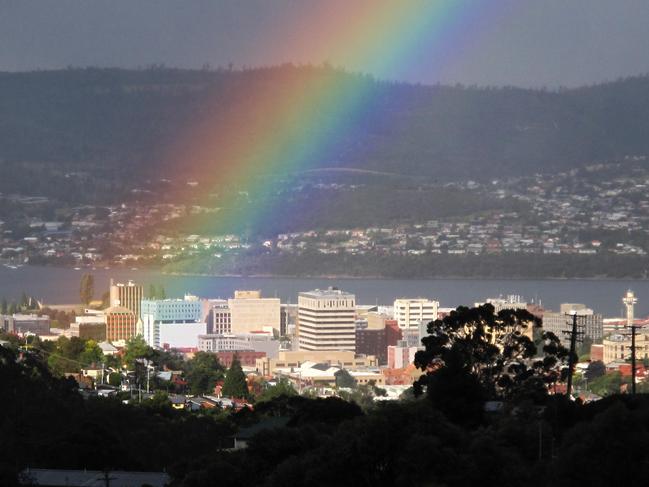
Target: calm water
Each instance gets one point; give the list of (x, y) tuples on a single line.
[(55, 285)]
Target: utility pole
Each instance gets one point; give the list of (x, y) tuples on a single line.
[(148, 369), (629, 301), (574, 335), (633, 357), (107, 478)]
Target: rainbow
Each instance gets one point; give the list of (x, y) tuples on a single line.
[(386, 37)]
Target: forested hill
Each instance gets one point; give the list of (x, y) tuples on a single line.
[(138, 119)]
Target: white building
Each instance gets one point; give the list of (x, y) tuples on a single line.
[(410, 313), (258, 342), (173, 323), (512, 301), (326, 320)]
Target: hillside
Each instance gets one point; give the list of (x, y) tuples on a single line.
[(111, 121)]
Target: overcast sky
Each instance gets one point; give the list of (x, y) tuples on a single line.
[(515, 42)]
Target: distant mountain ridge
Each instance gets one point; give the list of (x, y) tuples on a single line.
[(133, 120)]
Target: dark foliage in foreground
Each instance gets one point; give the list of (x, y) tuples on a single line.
[(45, 423)]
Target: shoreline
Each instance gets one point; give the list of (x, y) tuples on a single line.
[(341, 276)]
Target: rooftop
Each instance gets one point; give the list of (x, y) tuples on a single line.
[(331, 292)]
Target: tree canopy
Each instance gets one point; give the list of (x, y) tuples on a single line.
[(202, 372), (489, 353), (87, 288), (235, 384)]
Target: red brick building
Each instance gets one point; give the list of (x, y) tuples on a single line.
[(246, 357), (392, 333), (120, 323)]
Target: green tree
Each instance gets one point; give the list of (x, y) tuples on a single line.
[(344, 379), (91, 354), (136, 348), (24, 301), (105, 299), (115, 379), (283, 387), (87, 288), (606, 384), (161, 293), (235, 384), (202, 372), (595, 369)]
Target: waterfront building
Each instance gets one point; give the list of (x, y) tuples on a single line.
[(326, 320), (127, 295), (511, 301), (173, 323), (21, 324)]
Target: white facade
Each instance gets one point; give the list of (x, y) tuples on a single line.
[(228, 343), (326, 320), (410, 313), (179, 335), (219, 318), (173, 323)]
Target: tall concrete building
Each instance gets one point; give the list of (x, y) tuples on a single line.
[(592, 324), (174, 323), (250, 312), (127, 295), (219, 318), (326, 320), (410, 313)]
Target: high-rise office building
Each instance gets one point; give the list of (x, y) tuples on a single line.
[(591, 323), (127, 295), (174, 323), (326, 320), (250, 312), (410, 313), (219, 318)]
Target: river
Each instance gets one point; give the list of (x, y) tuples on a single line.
[(60, 285)]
